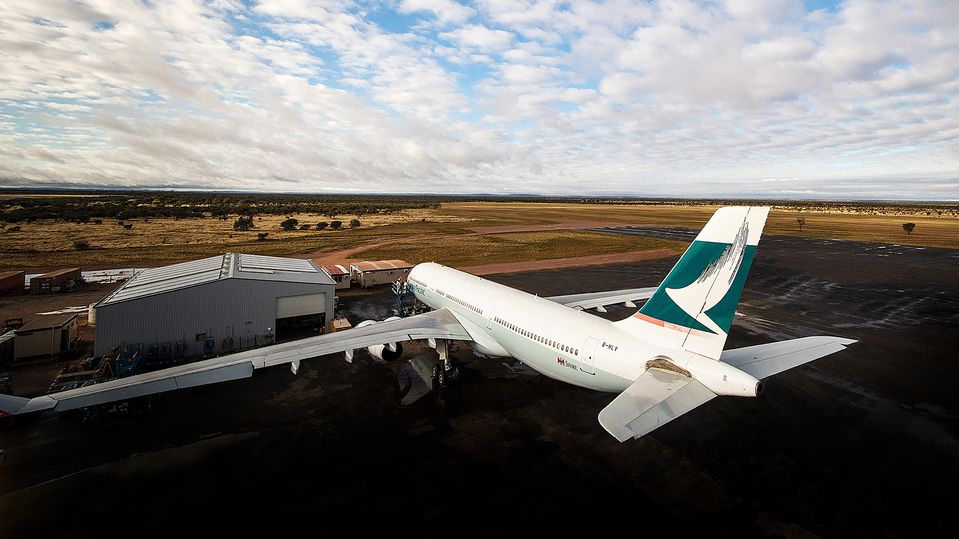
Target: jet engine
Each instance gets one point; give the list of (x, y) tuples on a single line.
[(386, 353)]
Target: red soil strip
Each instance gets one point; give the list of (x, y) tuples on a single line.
[(574, 262), (568, 225)]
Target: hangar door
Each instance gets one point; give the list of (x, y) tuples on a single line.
[(291, 306), (301, 316)]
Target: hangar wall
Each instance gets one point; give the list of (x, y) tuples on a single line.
[(244, 309)]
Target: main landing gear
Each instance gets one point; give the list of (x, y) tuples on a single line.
[(445, 372)]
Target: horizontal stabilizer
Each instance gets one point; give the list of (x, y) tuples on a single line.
[(593, 300), (654, 399), (764, 360)]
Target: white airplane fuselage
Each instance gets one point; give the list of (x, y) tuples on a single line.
[(559, 342)]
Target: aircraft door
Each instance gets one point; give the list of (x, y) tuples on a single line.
[(490, 319), (588, 358)]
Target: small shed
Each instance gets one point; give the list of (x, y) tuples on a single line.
[(61, 280), (340, 274), (46, 335), (369, 274), (11, 282)]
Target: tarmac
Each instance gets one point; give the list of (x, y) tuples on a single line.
[(861, 443)]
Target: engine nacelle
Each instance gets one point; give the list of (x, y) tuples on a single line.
[(382, 352), (387, 353)]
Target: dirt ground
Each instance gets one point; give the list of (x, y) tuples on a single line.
[(28, 306), (854, 445), (574, 262)]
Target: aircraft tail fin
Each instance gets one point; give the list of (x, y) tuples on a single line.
[(693, 307)]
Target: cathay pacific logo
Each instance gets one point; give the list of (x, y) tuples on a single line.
[(713, 283)]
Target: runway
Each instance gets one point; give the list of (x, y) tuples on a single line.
[(856, 444)]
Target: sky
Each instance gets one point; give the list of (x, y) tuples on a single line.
[(774, 98)]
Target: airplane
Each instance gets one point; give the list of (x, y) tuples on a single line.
[(663, 361)]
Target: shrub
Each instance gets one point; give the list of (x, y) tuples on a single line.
[(321, 225), (335, 225), (81, 245), (243, 223), (128, 226), (305, 227), (909, 227), (260, 236), (289, 224), (354, 223)]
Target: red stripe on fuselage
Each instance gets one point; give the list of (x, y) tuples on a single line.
[(649, 319), (664, 324)]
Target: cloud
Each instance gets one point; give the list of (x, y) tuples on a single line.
[(614, 97), (477, 36), (445, 11)]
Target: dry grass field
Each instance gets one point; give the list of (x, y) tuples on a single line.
[(49, 244), (473, 250), (459, 233), (931, 229)]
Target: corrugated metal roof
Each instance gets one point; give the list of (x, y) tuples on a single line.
[(153, 281), (381, 265), (57, 273), (275, 263), (336, 269), (48, 321)]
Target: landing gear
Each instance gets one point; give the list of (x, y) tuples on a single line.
[(445, 372)]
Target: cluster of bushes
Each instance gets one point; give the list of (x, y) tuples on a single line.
[(291, 224), (99, 205), (178, 205)]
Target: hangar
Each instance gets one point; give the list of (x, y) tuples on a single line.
[(215, 305)]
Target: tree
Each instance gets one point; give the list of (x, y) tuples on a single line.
[(321, 225), (260, 236), (81, 245), (289, 224), (243, 223), (908, 227), (305, 227), (335, 225), (354, 223), (801, 221)]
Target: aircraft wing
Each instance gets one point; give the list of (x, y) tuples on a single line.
[(440, 324), (599, 300), (654, 399), (765, 360)]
